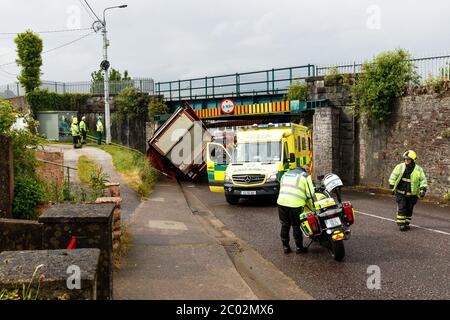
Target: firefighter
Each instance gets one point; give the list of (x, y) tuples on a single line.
[(407, 182), (296, 187), (75, 133), (99, 130), (83, 130)]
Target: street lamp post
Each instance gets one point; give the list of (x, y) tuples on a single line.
[(106, 76)]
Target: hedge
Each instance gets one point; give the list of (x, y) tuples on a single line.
[(43, 100)]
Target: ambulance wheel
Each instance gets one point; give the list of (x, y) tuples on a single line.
[(337, 250), (232, 199)]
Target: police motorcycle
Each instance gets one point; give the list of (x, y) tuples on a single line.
[(326, 221)]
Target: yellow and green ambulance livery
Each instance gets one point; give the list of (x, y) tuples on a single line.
[(254, 165)]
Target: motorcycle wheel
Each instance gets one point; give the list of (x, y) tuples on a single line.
[(337, 250)]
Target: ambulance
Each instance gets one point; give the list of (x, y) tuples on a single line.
[(254, 165)]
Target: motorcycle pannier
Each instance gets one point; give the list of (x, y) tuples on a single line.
[(349, 212), (309, 224)]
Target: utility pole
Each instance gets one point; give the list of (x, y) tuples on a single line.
[(106, 85), (97, 26)]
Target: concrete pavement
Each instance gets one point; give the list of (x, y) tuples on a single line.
[(173, 257)]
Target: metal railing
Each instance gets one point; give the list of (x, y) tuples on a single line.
[(144, 85), (427, 68), (64, 168), (265, 82)]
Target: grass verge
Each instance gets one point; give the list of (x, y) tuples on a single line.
[(86, 168), (133, 167)]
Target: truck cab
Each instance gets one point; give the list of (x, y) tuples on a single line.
[(253, 167)]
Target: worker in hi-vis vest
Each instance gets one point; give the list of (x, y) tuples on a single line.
[(83, 130), (407, 182), (99, 130), (296, 187), (75, 130)]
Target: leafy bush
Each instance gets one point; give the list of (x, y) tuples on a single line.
[(338, 78), (157, 106), (7, 116), (381, 81), (439, 84), (28, 193), (93, 175), (297, 91), (43, 100), (446, 196), (130, 102)]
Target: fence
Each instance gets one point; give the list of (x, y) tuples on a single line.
[(273, 81), (427, 67), (144, 85)]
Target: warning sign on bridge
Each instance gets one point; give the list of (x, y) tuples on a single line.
[(227, 106)]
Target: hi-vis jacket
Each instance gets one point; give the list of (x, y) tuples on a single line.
[(75, 130), (83, 126), (417, 179), (296, 187), (99, 126)]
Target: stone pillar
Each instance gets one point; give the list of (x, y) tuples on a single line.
[(6, 177), (91, 224), (117, 227), (325, 141)]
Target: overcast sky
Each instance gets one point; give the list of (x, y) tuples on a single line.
[(178, 39)]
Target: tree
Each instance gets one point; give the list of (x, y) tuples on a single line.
[(130, 102), (297, 91), (29, 50), (157, 106), (117, 82), (114, 75)]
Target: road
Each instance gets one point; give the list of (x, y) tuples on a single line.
[(413, 264)]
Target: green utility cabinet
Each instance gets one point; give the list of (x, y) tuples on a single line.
[(55, 125)]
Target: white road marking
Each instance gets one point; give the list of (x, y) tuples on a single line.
[(412, 225)]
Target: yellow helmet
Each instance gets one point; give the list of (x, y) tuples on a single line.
[(410, 154)]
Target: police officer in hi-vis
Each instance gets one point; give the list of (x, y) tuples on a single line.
[(296, 187)]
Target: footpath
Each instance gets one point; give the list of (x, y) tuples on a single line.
[(130, 199), (172, 256)]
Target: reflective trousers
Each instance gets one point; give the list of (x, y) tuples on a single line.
[(405, 206), (290, 217)]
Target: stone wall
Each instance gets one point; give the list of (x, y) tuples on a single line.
[(6, 177), (418, 123), (20, 235)]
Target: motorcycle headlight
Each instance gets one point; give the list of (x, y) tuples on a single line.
[(273, 177)]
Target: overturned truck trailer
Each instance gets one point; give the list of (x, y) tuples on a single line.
[(180, 144)]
